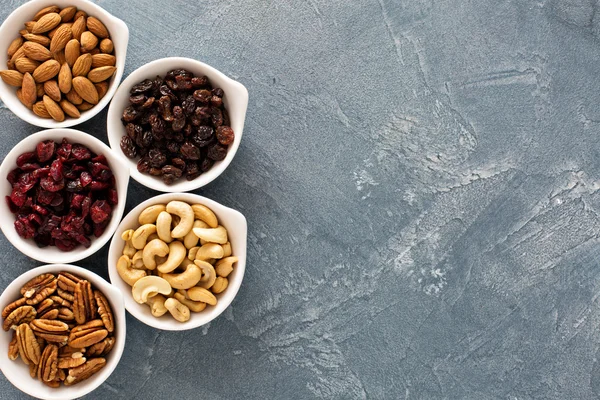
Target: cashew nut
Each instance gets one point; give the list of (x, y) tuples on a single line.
[(163, 227), (149, 286), (149, 215), (191, 240), (225, 266), (152, 237), (179, 311), (208, 274), (137, 261), (185, 280), (129, 250), (208, 251), (186, 261), (226, 249), (195, 306), (155, 248), (220, 285), (205, 214), (200, 294), (185, 212), (177, 253), (157, 305), (212, 235), (127, 235), (140, 236), (129, 275)]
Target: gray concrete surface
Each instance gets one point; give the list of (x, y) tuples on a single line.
[(421, 181)]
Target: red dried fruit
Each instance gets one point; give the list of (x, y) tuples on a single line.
[(86, 204), (85, 178), (113, 197), (17, 197), (100, 228), (56, 170), (40, 210), (11, 206), (24, 228), (25, 158), (50, 185), (13, 176), (30, 167), (65, 244), (80, 152), (44, 197), (100, 211), (45, 150)]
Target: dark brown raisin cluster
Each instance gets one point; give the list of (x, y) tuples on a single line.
[(177, 125), (62, 193)]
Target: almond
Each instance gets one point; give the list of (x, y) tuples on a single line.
[(89, 41), (12, 78), (85, 106), (46, 71), (53, 31), (80, 13), (54, 109), (39, 109), (67, 13), (97, 27), (86, 89), (65, 79), (44, 11), (29, 91), (43, 40), (60, 57), (20, 53), (24, 64), (83, 65), (102, 88), (21, 99), (46, 23), (51, 89), (106, 46), (29, 26), (36, 51), (101, 74), (69, 109), (40, 89), (78, 27), (23, 32), (14, 46), (74, 98), (103, 60), (72, 52), (61, 38)]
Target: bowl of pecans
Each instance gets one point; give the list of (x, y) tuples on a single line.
[(61, 61), (64, 331), (177, 122)]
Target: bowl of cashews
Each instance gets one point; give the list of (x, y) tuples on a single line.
[(179, 260)]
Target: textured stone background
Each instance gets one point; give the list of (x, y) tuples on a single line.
[(421, 181)]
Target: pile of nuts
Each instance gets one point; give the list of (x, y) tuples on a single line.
[(63, 328), (61, 63), (171, 237), (62, 193), (178, 125)]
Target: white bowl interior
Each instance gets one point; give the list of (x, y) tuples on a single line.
[(18, 373), (236, 226), (52, 254), (10, 30), (235, 100)]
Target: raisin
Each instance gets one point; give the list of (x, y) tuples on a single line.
[(216, 116), (179, 163), (189, 151), (202, 96), (141, 87), (206, 164), (217, 152), (148, 103), (128, 147), (178, 72), (138, 99), (225, 135), (216, 101), (218, 92), (157, 158), (199, 81), (130, 114), (143, 164)]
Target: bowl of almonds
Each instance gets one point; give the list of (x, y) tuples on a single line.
[(179, 260), (61, 61), (64, 331)]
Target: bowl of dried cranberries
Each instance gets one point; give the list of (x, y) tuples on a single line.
[(64, 194), (177, 123)]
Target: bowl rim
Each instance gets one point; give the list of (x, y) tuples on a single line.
[(235, 90), (114, 296), (74, 136), (115, 251), (119, 36)]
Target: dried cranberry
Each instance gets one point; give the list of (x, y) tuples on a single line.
[(64, 150), (85, 178), (76, 201), (100, 211), (24, 229), (80, 152), (18, 197), (40, 210), (25, 158), (44, 197), (57, 201), (100, 228), (41, 173), (30, 167), (45, 150), (113, 197), (11, 206), (225, 135), (96, 186), (13, 176), (65, 244), (56, 170), (26, 182), (74, 186), (50, 185), (34, 218)]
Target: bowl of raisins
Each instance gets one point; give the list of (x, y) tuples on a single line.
[(177, 123), (65, 194)]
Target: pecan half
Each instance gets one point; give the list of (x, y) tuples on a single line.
[(12, 307), (85, 371), (21, 315), (48, 364), (60, 302), (33, 370), (72, 361), (87, 334), (13, 347), (84, 305), (39, 288), (104, 311), (65, 314), (48, 326), (44, 306), (50, 314), (68, 296), (101, 348), (67, 281), (28, 344)]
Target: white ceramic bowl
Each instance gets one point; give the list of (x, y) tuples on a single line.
[(18, 373), (119, 34), (237, 229), (52, 254), (235, 101)]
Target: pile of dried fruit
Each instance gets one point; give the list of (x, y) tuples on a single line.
[(166, 244), (62, 193), (177, 125), (63, 329), (61, 63)]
